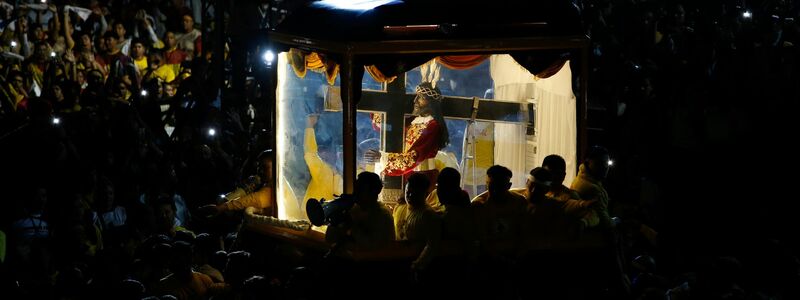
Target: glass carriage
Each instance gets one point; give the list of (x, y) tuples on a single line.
[(514, 89)]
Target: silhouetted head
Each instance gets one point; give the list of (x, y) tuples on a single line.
[(539, 182), (368, 187), (557, 167), (448, 185), (498, 179), (417, 189)]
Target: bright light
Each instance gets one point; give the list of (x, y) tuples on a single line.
[(747, 14), (222, 195), (44, 1), (144, 93), (610, 162), (212, 132), (13, 44), (269, 57), (52, 54), (56, 120), (354, 4), (281, 136)]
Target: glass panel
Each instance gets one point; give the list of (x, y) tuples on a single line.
[(368, 83), (498, 136), (370, 128), (471, 82), (310, 139), (309, 134), (471, 165), (471, 162)]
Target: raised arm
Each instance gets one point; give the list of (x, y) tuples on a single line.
[(56, 21), (68, 31)]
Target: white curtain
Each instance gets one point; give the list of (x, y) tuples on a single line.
[(513, 83), (556, 119), (556, 129)]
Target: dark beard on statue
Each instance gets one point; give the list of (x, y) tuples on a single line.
[(421, 111)]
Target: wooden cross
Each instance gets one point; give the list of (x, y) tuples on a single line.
[(396, 104)]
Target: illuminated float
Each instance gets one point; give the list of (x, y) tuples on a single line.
[(345, 81)]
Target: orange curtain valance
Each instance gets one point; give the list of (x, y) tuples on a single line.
[(456, 62), (377, 75), (302, 61)]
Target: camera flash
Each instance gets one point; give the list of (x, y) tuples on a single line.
[(56, 120), (212, 132)]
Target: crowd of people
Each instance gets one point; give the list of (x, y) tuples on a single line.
[(111, 140), (691, 92)]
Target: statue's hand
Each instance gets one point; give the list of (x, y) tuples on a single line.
[(372, 156)]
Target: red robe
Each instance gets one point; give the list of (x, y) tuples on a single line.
[(422, 142)]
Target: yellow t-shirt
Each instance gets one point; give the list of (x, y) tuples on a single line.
[(141, 64), (164, 73)]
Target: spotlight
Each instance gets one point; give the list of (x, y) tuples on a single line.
[(268, 57), (610, 162), (212, 132), (13, 44), (747, 14), (52, 54), (56, 120), (143, 93)]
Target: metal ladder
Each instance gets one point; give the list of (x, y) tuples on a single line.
[(468, 149)]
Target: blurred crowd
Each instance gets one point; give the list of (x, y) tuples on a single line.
[(694, 97), (112, 134)]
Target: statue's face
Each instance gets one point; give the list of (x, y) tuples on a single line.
[(421, 106)]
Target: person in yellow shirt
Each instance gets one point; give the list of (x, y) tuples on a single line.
[(588, 184), (415, 222), (139, 55), (325, 180), (157, 68), (261, 198), (185, 283)]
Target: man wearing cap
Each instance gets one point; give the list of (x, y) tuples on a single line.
[(426, 134)]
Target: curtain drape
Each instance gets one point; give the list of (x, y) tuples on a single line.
[(455, 62), (376, 74), (461, 62), (302, 61), (511, 82), (556, 119), (555, 124)]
